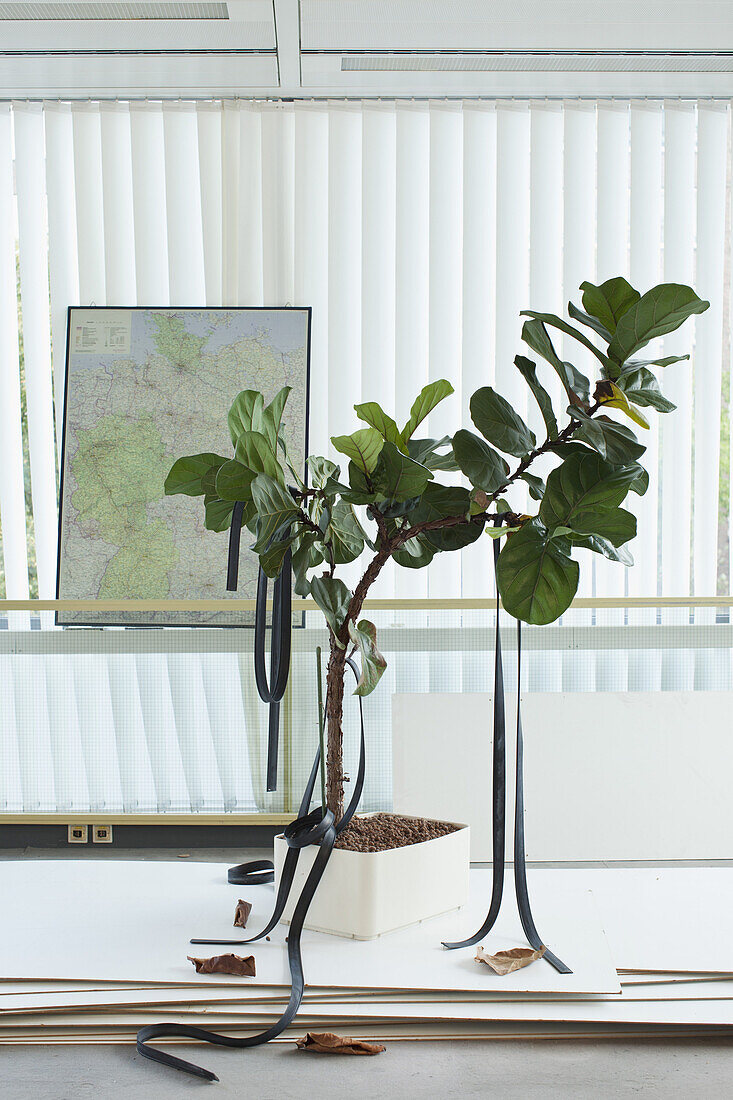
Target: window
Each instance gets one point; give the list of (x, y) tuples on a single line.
[(417, 231)]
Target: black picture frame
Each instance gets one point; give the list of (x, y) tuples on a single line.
[(308, 311)]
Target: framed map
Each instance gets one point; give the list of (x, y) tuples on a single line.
[(143, 387)]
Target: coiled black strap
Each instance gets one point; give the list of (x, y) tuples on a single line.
[(273, 691), (314, 827), (499, 807)]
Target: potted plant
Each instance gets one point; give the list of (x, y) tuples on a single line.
[(390, 498)]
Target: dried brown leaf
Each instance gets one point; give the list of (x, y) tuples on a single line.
[(241, 913), (504, 962), (226, 964), (327, 1043)]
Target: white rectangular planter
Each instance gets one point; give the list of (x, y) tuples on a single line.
[(365, 894)]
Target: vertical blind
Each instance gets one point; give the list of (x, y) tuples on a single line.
[(417, 232)]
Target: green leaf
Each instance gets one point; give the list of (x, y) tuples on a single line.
[(483, 466), (275, 508), (356, 492), (614, 441), (372, 414), (254, 451), (557, 322), (499, 532), (609, 301), (397, 477), (537, 581), (640, 484), (528, 370), (208, 481), (536, 485), (307, 555), (581, 488), (416, 553), (429, 396), (186, 474), (662, 309), (603, 546), (321, 470), (272, 559), (440, 501), (218, 513), (363, 447), (617, 526), (398, 508), (322, 511), (245, 413), (373, 663), (499, 423), (591, 322), (333, 598), (667, 361), (425, 451), (562, 450), (455, 538), (575, 383), (234, 481), (345, 533), (642, 387), (272, 414)]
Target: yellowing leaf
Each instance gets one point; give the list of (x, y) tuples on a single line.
[(612, 396)]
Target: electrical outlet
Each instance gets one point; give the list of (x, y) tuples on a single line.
[(78, 834), (101, 834)]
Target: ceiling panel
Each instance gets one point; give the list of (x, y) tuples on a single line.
[(371, 75), (136, 76), (245, 25), (97, 10), (343, 25)]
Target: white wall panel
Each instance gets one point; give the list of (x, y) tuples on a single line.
[(602, 782)]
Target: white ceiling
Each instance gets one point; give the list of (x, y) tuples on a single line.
[(294, 48)]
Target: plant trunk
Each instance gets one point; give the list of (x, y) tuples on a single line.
[(334, 723)]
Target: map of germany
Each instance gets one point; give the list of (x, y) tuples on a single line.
[(145, 386)]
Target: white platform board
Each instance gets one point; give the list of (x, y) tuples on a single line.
[(132, 921), (607, 776), (355, 1003), (707, 1013), (672, 918)]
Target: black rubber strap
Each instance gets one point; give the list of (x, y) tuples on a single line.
[(317, 827), (520, 861), (273, 691), (499, 807), (498, 796), (235, 535), (257, 872)]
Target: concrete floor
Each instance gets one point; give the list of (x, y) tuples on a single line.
[(592, 1070), (507, 1071)]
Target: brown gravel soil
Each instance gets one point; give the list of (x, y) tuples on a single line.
[(380, 832)]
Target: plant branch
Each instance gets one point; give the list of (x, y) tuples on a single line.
[(388, 545), (380, 522)]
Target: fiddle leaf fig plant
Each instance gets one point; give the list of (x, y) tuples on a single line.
[(389, 497)]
